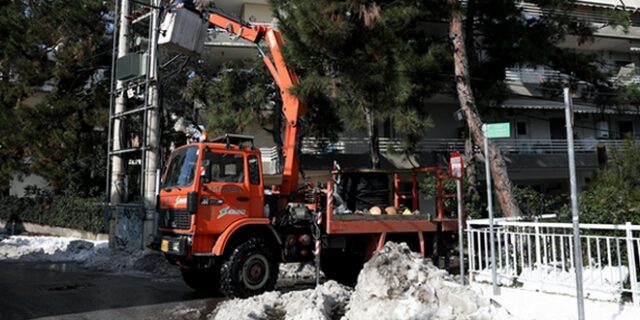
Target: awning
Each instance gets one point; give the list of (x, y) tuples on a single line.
[(631, 4), (541, 104), (602, 3)]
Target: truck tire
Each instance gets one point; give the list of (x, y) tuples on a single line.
[(251, 269), (201, 280)]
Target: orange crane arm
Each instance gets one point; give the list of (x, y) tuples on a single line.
[(285, 78)]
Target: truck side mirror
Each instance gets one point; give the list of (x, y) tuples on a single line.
[(192, 202), (205, 172)]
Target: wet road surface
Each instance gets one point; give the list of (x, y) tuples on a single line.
[(67, 291)]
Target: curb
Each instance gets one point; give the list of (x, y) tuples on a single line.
[(57, 231)]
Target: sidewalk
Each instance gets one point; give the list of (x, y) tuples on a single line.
[(526, 305)]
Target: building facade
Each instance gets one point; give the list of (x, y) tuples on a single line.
[(536, 152)]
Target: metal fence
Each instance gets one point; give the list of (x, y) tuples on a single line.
[(539, 256)]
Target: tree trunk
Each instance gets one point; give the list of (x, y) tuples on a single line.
[(502, 184), (470, 16), (374, 143), (470, 166)]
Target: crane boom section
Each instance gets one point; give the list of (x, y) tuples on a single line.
[(285, 78)]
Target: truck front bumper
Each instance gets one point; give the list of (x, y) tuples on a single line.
[(170, 244)]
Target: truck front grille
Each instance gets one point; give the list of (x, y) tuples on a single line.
[(174, 219)]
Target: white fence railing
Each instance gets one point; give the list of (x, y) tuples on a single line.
[(353, 145), (539, 256)]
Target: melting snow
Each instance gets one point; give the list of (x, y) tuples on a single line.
[(97, 255), (51, 249), (599, 283), (298, 271), (91, 254), (394, 284), (321, 303)]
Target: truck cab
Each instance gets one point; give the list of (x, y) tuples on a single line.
[(206, 188)]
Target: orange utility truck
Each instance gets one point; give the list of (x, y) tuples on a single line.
[(228, 232)]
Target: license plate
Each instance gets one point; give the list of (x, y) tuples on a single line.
[(164, 246)]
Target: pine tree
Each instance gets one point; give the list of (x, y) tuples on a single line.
[(366, 61), (237, 96), (66, 47)]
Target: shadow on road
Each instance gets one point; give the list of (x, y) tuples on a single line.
[(32, 290)]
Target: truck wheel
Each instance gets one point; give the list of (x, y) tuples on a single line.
[(251, 269), (201, 280)]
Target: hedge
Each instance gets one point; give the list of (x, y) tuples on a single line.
[(59, 211)]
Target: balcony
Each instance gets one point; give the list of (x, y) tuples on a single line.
[(530, 81), (595, 12), (351, 145)]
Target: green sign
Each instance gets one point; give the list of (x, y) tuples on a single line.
[(498, 130)]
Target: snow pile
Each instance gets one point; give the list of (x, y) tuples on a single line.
[(505, 276), (298, 271), (525, 304), (324, 302), (395, 284), (97, 255), (50, 249), (599, 283), (399, 284), (138, 261), (90, 254), (180, 312)]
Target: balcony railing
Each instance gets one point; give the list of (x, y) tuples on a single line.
[(531, 75), (540, 75), (352, 145), (590, 14)]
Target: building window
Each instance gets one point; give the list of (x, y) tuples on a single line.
[(388, 131), (254, 170), (625, 128), (557, 127), (521, 127)]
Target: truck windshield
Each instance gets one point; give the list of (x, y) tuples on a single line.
[(181, 171)]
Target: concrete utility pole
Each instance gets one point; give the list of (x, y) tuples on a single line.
[(152, 129), (118, 192), (577, 251)]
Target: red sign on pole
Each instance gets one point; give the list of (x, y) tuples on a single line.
[(456, 165)]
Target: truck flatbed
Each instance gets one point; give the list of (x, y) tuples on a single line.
[(371, 217), (356, 223)]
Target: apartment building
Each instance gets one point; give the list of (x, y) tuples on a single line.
[(536, 151)]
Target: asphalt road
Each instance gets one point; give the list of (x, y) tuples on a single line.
[(66, 291)]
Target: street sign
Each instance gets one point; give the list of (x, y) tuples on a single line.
[(456, 165), (498, 130), (456, 168)]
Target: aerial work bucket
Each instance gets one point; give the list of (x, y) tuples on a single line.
[(184, 31)]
